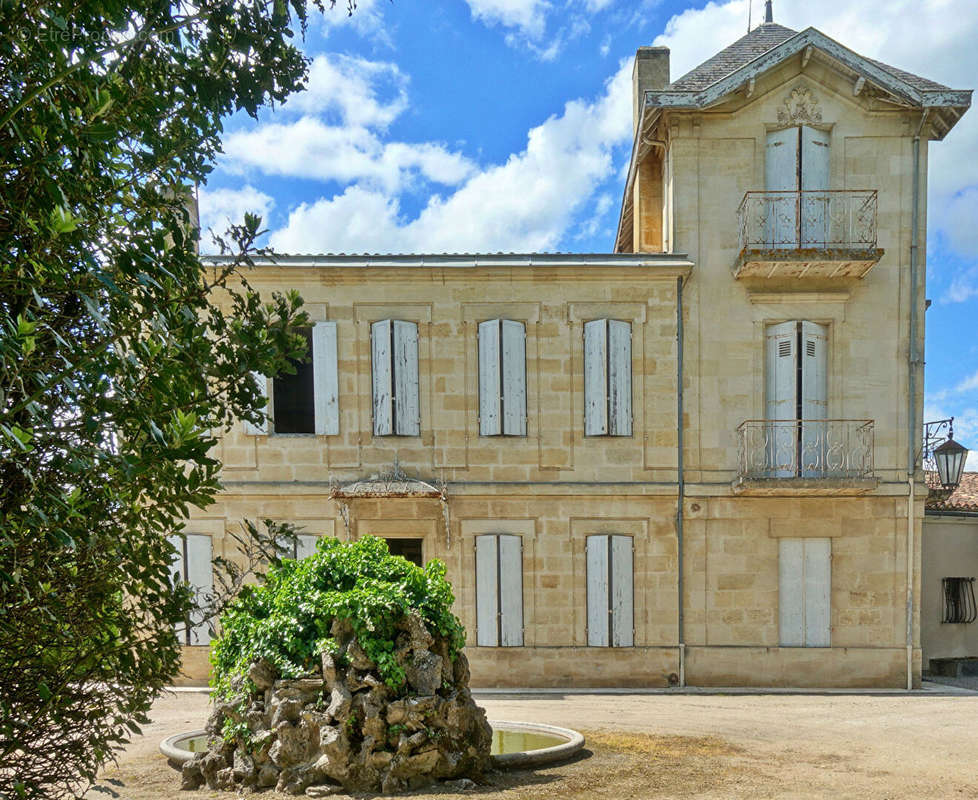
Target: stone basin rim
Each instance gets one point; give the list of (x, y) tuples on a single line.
[(527, 758), (545, 755)]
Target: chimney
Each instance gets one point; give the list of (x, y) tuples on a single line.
[(651, 71)]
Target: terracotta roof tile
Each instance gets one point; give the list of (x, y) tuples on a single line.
[(964, 498)]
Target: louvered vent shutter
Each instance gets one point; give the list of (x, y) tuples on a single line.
[(261, 429), (201, 577), (514, 377), (814, 401), (490, 378), (781, 392), (326, 379), (596, 377), (383, 387), (619, 378)]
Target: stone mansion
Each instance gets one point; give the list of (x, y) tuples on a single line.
[(687, 462)]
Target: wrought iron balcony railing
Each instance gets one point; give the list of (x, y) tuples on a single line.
[(805, 448), (809, 220)]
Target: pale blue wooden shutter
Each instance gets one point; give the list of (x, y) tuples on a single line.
[(305, 545), (514, 377), (250, 428), (814, 399), (499, 590), (791, 592), (619, 378), (610, 591), (621, 592), (815, 183), (781, 398), (383, 387), (490, 378), (804, 592), (200, 576), (597, 591), (596, 377), (818, 591), (487, 590), (781, 178), (511, 590), (407, 407), (325, 379)]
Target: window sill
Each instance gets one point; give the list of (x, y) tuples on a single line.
[(803, 487)]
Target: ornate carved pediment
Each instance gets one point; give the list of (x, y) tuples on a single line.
[(799, 108)]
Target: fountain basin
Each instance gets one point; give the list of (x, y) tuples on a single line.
[(514, 744)]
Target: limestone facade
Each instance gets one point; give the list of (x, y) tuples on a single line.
[(709, 578)]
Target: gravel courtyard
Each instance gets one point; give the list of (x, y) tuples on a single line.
[(682, 745)]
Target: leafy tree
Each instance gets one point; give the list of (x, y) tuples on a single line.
[(287, 620), (121, 356)]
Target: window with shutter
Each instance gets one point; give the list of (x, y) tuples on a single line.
[(294, 394), (499, 590), (607, 378), (394, 357), (610, 591), (796, 159), (191, 563), (796, 398), (502, 378), (804, 592)]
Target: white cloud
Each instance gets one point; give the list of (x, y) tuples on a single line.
[(222, 207), (309, 148), (529, 16), (526, 203), (352, 90), (367, 19)]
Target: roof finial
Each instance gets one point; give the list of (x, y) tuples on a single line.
[(768, 12)]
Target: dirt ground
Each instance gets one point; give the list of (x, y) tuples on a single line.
[(678, 746)]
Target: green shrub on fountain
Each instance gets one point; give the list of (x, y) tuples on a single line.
[(343, 669)]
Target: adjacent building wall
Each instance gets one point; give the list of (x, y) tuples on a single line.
[(950, 550)]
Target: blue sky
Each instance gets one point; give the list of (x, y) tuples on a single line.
[(505, 125)]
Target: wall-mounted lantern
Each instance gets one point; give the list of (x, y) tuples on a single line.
[(949, 457)]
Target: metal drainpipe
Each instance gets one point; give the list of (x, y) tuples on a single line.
[(913, 360), (680, 483)]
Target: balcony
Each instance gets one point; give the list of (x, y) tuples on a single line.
[(810, 457), (806, 235)]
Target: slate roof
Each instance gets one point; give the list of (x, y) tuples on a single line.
[(964, 498), (755, 44)]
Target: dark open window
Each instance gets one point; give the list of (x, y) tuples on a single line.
[(959, 600), (294, 398), (408, 548)]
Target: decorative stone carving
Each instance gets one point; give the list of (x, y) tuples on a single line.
[(799, 108)]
